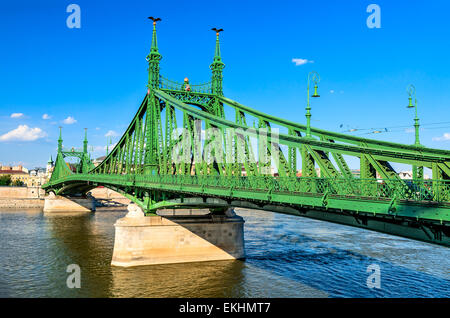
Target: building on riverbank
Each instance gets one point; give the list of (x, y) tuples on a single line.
[(15, 173), (30, 178)]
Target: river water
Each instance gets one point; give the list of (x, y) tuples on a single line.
[(287, 256)]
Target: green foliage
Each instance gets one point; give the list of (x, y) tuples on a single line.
[(17, 183), (5, 180)]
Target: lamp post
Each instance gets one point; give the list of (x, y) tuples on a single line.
[(412, 92), (315, 77), (60, 141), (416, 171), (85, 142), (107, 144)]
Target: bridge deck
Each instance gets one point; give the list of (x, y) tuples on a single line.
[(362, 196)]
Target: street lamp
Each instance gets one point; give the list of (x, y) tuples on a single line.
[(60, 141), (315, 77), (416, 171), (412, 91), (107, 145)]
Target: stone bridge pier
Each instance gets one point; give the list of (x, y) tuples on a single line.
[(150, 240), (57, 203)]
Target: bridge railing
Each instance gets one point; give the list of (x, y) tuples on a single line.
[(165, 83), (415, 190)]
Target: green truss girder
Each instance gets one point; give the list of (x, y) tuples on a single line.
[(203, 100), (327, 168), (294, 141), (127, 156), (439, 154)]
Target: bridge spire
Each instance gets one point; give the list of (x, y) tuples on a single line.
[(217, 56), (217, 67), (153, 58), (60, 141), (85, 142)]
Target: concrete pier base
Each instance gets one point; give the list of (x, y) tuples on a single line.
[(55, 204), (150, 240)]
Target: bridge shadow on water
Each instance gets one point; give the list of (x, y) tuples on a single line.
[(87, 240), (287, 256), (334, 258)]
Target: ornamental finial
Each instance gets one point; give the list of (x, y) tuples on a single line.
[(154, 20), (217, 30)]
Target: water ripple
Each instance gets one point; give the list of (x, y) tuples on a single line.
[(287, 256)]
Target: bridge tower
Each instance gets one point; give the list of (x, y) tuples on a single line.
[(86, 163), (153, 113)]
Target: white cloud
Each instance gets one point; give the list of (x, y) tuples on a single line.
[(445, 136), (299, 62), (103, 148), (97, 128), (412, 130), (111, 133), (332, 91), (16, 115), (46, 116), (98, 148), (69, 120), (23, 133)]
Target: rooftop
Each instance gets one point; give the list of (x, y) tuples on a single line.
[(12, 172)]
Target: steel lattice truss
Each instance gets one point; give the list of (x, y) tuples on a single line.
[(180, 150)]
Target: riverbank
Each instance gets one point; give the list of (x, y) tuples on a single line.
[(18, 203)]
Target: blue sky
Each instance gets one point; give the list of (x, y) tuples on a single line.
[(94, 77)]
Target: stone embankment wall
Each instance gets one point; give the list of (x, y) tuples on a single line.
[(22, 192), (21, 197), (33, 197)]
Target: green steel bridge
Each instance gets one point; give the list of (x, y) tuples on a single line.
[(224, 154)]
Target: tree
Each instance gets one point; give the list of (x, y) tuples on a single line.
[(17, 183), (5, 180)]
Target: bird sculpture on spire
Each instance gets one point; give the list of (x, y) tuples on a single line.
[(217, 30), (154, 20)]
